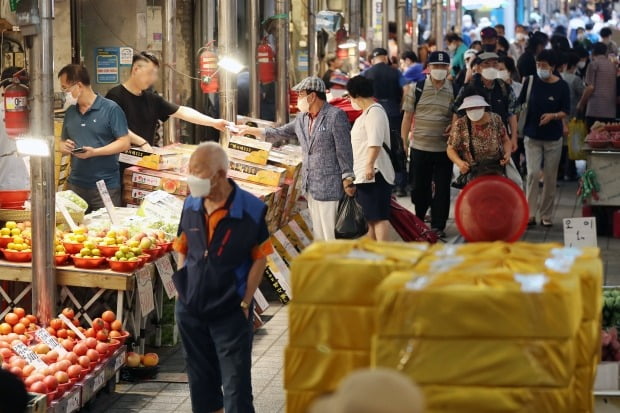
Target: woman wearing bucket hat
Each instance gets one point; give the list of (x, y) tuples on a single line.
[(478, 143)]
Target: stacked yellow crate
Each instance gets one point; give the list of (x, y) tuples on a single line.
[(332, 317), (62, 162), (482, 340)]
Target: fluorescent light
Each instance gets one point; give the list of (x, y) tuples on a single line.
[(32, 147), (231, 65), (349, 43), (362, 45)]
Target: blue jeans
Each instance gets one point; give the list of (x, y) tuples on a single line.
[(218, 353)]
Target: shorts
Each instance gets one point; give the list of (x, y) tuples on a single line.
[(374, 198)]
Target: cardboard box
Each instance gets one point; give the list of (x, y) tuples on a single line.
[(607, 376), (278, 275), (150, 180), (249, 150), (260, 174), (134, 196), (284, 159), (158, 159), (284, 247)]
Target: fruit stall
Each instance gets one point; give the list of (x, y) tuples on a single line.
[(602, 148)]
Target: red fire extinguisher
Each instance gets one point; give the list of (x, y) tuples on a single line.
[(266, 58), (16, 109), (209, 82)]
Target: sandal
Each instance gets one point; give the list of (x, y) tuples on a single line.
[(546, 223)]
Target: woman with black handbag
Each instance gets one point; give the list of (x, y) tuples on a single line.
[(478, 143)]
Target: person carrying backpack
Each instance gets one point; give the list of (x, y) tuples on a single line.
[(430, 102)]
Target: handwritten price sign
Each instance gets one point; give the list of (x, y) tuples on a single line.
[(145, 291), (165, 270), (579, 232)]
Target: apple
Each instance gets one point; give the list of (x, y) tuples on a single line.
[(51, 382), (74, 371), (91, 342), (33, 378), (64, 364), (81, 348), (38, 387), (93, 355), (150, 360), (16, 371), (133, 359), (102, 348), (62, 377), (84, 361)]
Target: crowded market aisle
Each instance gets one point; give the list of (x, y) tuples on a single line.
[(270, 341)]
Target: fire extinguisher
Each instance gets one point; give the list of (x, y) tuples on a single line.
[(266, 58), (209, 82), (16, 110)]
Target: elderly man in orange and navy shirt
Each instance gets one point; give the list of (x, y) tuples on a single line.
[(223, 244)]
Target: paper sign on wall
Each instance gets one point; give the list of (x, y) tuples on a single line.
[(579, 232)]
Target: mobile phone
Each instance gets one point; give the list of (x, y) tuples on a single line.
[(78, 150)]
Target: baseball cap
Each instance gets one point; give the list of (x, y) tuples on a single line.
[(312, 83), (439, 58), (470, 53), (373, 391), (488, 32), (487, 56), (379, 51)]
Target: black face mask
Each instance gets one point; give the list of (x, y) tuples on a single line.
[(489, 48)]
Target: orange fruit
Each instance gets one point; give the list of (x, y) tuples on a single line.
[(25, 321), (108, 316), (68, 312), (20, 312), (5, 328), (19, 328), (11, 318)]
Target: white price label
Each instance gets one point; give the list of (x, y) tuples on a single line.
[(146, 180), (299, 233), (107, 201), (47, 338), (66, 215), (73, 403), (99, 380), (73, 328), (165, 270), (30, 356), (120, 361), (579, 232), (145, 291)]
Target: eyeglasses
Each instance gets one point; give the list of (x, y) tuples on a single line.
[(67, 89)]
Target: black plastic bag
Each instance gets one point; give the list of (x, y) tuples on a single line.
[(350, 221)]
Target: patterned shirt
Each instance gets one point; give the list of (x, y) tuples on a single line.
[(601, 74), (487, 139)]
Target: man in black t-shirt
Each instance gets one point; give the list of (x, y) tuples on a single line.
[(144, 108)]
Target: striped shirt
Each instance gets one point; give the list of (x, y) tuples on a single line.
[(601, 74), (433, 114)]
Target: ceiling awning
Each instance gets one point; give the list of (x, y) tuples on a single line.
[(485, 5)]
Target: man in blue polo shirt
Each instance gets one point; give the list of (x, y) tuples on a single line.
[(223, 244), (94, 132)]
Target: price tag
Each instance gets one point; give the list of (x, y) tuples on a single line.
[(66, 215), (47, 338), (145, 291), (30, 356), (579, 232), (99, 380), (107, 201), (73, 403), (120, 361), (165, 270), (69, 324), (299, 233), (146, 179)]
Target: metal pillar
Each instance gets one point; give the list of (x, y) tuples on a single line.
[(385, 25), (313, 61), (437, 28), (43, 184), (170, 58), (414, 26), (369, 24), (355, 24), (282, 53), (400, 25), (227, 40), (448, 17), (254, 38), (458, 10)]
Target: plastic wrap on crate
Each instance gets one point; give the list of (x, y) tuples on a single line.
[(339, 327), (348, 272), (469, 399), (300, 401), (493, 303), (320, 370), (479, 362)]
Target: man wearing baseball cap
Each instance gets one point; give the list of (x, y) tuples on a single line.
[(489, 39), (388, 90), (324, 134), (430, 101)]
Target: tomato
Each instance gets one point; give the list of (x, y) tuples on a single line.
[(108, 316), (68, 312), (20, 312), (98, 324), (56, 323)]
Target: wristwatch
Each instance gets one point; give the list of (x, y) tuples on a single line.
[(244, 305)]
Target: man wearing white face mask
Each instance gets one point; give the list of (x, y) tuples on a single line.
[(430, 101), (223, 244), (517, 47), (323, 132), (497, 93)]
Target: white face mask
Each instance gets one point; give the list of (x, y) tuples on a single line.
[(69, 99), (199, 187), (303, 105), (475, 114), (520, 37), (543, 73), (581, 65), (439, 74), (490, 73), (355, 106), (503, 74)]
